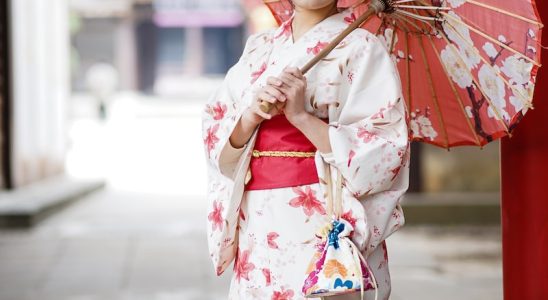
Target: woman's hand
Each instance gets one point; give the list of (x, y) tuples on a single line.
[(269, 93), (294, 88), (253, 115)]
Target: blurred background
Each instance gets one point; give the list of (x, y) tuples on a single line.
[(102, 182)]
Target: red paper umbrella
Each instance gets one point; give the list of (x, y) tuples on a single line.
[(468, 67)]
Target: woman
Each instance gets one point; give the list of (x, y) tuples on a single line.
[(267, 170)]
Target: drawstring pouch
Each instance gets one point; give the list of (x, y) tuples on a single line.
[(337, 267)]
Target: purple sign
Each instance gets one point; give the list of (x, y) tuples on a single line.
[(194, 13)]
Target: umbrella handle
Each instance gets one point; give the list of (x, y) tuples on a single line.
[(374, 7)]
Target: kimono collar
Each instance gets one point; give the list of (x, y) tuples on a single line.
[(340, 19)]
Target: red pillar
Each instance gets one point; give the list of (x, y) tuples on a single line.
[(524, 188)]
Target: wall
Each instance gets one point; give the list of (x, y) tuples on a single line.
[(40, 88)]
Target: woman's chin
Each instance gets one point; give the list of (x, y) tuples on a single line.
[(313, 4)]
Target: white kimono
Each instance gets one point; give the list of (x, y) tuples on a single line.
[(357, 88)]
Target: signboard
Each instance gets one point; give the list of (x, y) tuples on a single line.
[(198, 13)]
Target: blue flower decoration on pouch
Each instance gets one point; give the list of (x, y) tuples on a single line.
[(338, 227), (339, 283)]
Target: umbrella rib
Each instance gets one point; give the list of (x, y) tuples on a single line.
[(456, 53), (502, 11), (433, 91), (457, 96), (417, 16), (408, 70), (401, 18), (422, 7), (393, 39), (526, 102), (407, 65), (503, 45)]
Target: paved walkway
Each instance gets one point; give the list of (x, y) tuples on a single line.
[(143, 237), (122, 245)]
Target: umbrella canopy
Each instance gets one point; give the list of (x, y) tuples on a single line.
[(468, 67)]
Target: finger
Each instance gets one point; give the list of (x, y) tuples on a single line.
[(292, 76), (295, 71), (280, 106), (287, 79), (274, 81), (275, 92), (291, 82), (267, 97)]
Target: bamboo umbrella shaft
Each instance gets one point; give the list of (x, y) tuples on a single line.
[(375, 7)]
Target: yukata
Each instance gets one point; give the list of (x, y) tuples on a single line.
[(267, 231)]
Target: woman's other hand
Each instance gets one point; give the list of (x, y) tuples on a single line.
[(269, 93), (294, 88)]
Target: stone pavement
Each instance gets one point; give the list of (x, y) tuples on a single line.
[(123, 245), (143, 236)]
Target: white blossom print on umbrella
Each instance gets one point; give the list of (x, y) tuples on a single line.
[(420, 124), (465, 80)]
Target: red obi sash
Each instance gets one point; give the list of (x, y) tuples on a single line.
[(269, 172)]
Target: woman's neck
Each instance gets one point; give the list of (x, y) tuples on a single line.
[(305, 19)]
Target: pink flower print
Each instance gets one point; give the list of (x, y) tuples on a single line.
[(307, 199), (266, 273), (395, 215), (242, 215), (316, 49), (219, 270), (350, 19), (283, 294), (255, 75), (365, 135), (395, 171), (217, 111), (378, 114), (351, 155), (384, 250), (350, 218), (380, 210), (242, 266), (350, 77), (211, 139), (376, 231), (215, 216), (270, 240)]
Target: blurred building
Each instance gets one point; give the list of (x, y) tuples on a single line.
[(154, 44), (48, 49)]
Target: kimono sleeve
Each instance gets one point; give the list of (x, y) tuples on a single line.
[(370, 137), (221, 114), (222, 111)]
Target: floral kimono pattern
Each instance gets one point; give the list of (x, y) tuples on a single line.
[(269, 233)]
